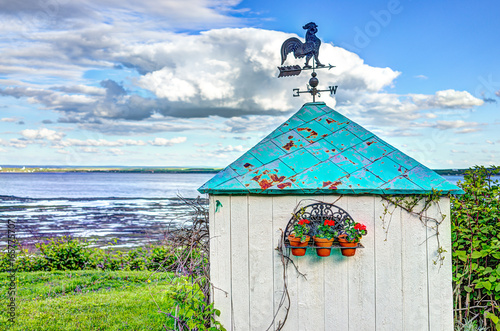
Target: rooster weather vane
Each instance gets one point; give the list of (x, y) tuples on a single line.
[(309, 50)]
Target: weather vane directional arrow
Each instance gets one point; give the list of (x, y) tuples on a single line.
[(309, 49)]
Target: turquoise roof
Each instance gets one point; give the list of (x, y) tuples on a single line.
[(319, 151)]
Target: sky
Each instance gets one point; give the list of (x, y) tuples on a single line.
[(194, 83)]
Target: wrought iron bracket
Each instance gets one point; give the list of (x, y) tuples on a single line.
[(317, 213)]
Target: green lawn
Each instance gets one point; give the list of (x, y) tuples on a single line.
[(89, 300)]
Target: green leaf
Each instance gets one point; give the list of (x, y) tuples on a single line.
[(476, 255), (487, 285), (492, 317), (468, 289)]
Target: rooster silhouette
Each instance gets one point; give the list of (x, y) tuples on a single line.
[(308, 49)]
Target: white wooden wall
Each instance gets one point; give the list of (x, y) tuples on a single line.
[(391, 284)]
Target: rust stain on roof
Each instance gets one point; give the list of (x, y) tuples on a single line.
[(265, 184), (275, 178), (289, 145), (284, 185), (370, 142), (332, 185), (257, 178), (247, 165)]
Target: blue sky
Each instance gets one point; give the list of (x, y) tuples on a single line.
[(193, 83)]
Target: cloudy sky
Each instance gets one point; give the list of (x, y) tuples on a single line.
[(194, 82)]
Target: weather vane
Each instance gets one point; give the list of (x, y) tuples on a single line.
[(309, 49)]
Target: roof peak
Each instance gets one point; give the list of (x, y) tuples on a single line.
[(320, 151), (314, 103)]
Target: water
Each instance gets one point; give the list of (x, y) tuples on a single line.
[(136, 208), (101, 185)]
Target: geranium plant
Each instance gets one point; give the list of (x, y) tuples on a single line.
[(326, 230), (301, 229), (354, 231)]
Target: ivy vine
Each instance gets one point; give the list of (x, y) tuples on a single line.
[(410, 204)]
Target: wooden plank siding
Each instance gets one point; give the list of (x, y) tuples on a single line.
[(391, 284), (220, 257), (439, 275)]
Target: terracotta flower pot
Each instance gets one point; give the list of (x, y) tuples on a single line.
[(344, 243), (323, 242), (296, 242)]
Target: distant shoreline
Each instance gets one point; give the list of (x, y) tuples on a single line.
[(160, 170), (25, 170)]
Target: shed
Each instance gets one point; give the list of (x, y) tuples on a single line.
[(319, 155)]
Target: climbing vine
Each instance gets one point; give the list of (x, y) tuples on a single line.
[(416, 205)]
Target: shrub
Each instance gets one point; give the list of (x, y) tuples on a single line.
[(67, 253), (476, 248)]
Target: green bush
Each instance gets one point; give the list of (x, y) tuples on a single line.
[(67, 253), (476, 248)]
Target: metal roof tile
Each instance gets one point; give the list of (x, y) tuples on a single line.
[(300, 160), (343, 139), (386, 169), (373, 148), (350, 160), (290, 141), (322, 149), (313, 131)]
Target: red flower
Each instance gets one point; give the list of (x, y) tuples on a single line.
[(359, 226), (304, 221), (329, 222)]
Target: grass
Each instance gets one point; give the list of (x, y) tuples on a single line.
[(89, 300)]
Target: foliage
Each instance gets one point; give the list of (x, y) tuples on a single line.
[(353, 230), (416, 205), (476, 248), (469, 325), (96, 300), (192, 312), (326, 230), (68, 253), (301, 229)]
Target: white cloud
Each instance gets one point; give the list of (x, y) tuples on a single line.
[(88, 149), (421, 77), (116, 151), (101, 142), (167, 142), (468, 130), (447, 99), (9, 120), (42, 133), (18, 143), (231, 148), (444, 125), (452, 124), (253, 123)]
